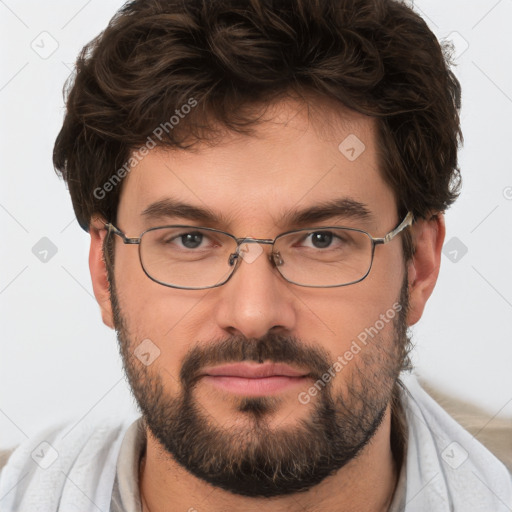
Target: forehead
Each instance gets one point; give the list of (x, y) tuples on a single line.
[(299, 155)]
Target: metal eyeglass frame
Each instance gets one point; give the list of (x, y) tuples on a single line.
[(274, 257)]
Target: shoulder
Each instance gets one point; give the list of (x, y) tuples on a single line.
[(493, 432), (448, 462), (56, 461)]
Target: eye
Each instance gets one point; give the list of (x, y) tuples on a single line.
[(175, 239), (322, 240), (191, 240)]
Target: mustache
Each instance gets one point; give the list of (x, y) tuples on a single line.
[(272, 347)]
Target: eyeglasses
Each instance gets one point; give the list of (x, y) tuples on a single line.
[(196, 258)]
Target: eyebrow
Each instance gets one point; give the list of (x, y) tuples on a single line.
[(345, 208), (172, 208)]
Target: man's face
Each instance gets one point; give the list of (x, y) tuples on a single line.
[(248, 441)]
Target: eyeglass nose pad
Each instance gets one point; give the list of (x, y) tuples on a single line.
[(276, 257), (233, 257)]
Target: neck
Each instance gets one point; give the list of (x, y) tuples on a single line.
[(365, 483)]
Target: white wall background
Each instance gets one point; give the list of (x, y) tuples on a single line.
[(58, 361)]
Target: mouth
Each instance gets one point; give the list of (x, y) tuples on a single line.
[(254, 379)]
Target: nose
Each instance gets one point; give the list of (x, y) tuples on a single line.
[(256, 300)]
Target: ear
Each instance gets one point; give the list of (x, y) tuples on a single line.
[(98, 270), (423, 269)]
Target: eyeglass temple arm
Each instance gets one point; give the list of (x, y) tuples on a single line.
[(408, 220), (127, 240)]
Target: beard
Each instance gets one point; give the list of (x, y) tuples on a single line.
[(251, 458)]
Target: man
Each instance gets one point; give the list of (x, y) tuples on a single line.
[(264, 186)]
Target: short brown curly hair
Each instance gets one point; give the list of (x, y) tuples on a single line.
[(377, 57)]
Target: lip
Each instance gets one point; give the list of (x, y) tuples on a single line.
[(254, 379), (254, 371)]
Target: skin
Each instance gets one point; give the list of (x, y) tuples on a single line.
[(292, 161)]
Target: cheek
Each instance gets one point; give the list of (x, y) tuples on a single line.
[(363, 323), (336, 317), (154, 312)]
